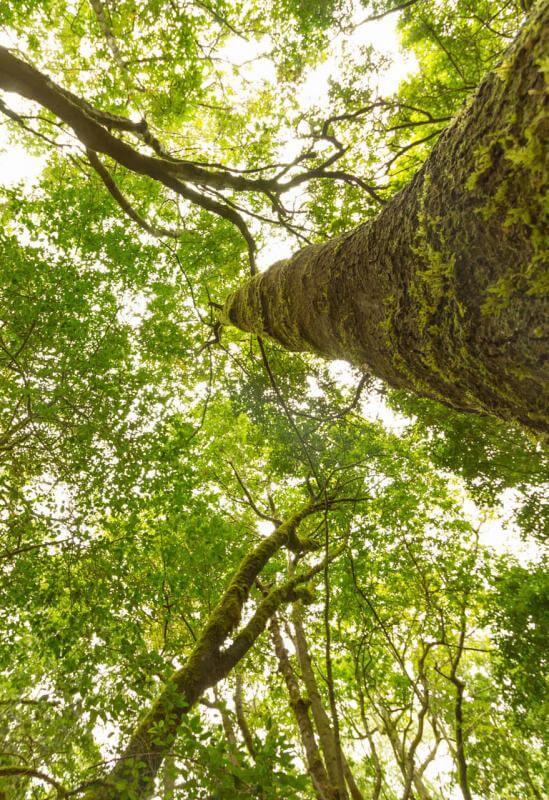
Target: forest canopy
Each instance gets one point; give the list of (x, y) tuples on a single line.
[(262, 560)]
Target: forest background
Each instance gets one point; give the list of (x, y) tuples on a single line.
[(231, 571)]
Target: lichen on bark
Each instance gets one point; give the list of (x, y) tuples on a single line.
[(444, 293)]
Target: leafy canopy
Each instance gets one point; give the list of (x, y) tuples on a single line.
[(144, 455)]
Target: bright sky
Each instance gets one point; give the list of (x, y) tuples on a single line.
[(16, 164)]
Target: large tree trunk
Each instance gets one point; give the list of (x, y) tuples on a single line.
[(443, 293)]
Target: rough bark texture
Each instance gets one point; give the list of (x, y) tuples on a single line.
[(444, 292), (323, 725), (133, 775), (323, 788)]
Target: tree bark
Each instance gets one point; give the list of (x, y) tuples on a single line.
[(323, 725), (443, 293), (323, 788), (405, 761), (134, 773), (241, 718)]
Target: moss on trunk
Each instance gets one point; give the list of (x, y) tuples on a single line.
[(444, 293), (134, 774)]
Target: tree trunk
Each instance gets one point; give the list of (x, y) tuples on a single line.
[(443, 293), (405, 761), (322, 721), (315, 766), (134, 773)]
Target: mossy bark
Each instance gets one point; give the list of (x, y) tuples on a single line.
[(134, 773), (322, 721), (324, 790), (444, 293)]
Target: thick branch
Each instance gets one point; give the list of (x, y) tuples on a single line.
[(6, 772), (135, 772), (124, 204)]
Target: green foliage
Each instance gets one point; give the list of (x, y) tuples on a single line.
[(521, 622), (495, 461), (143, 458)]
